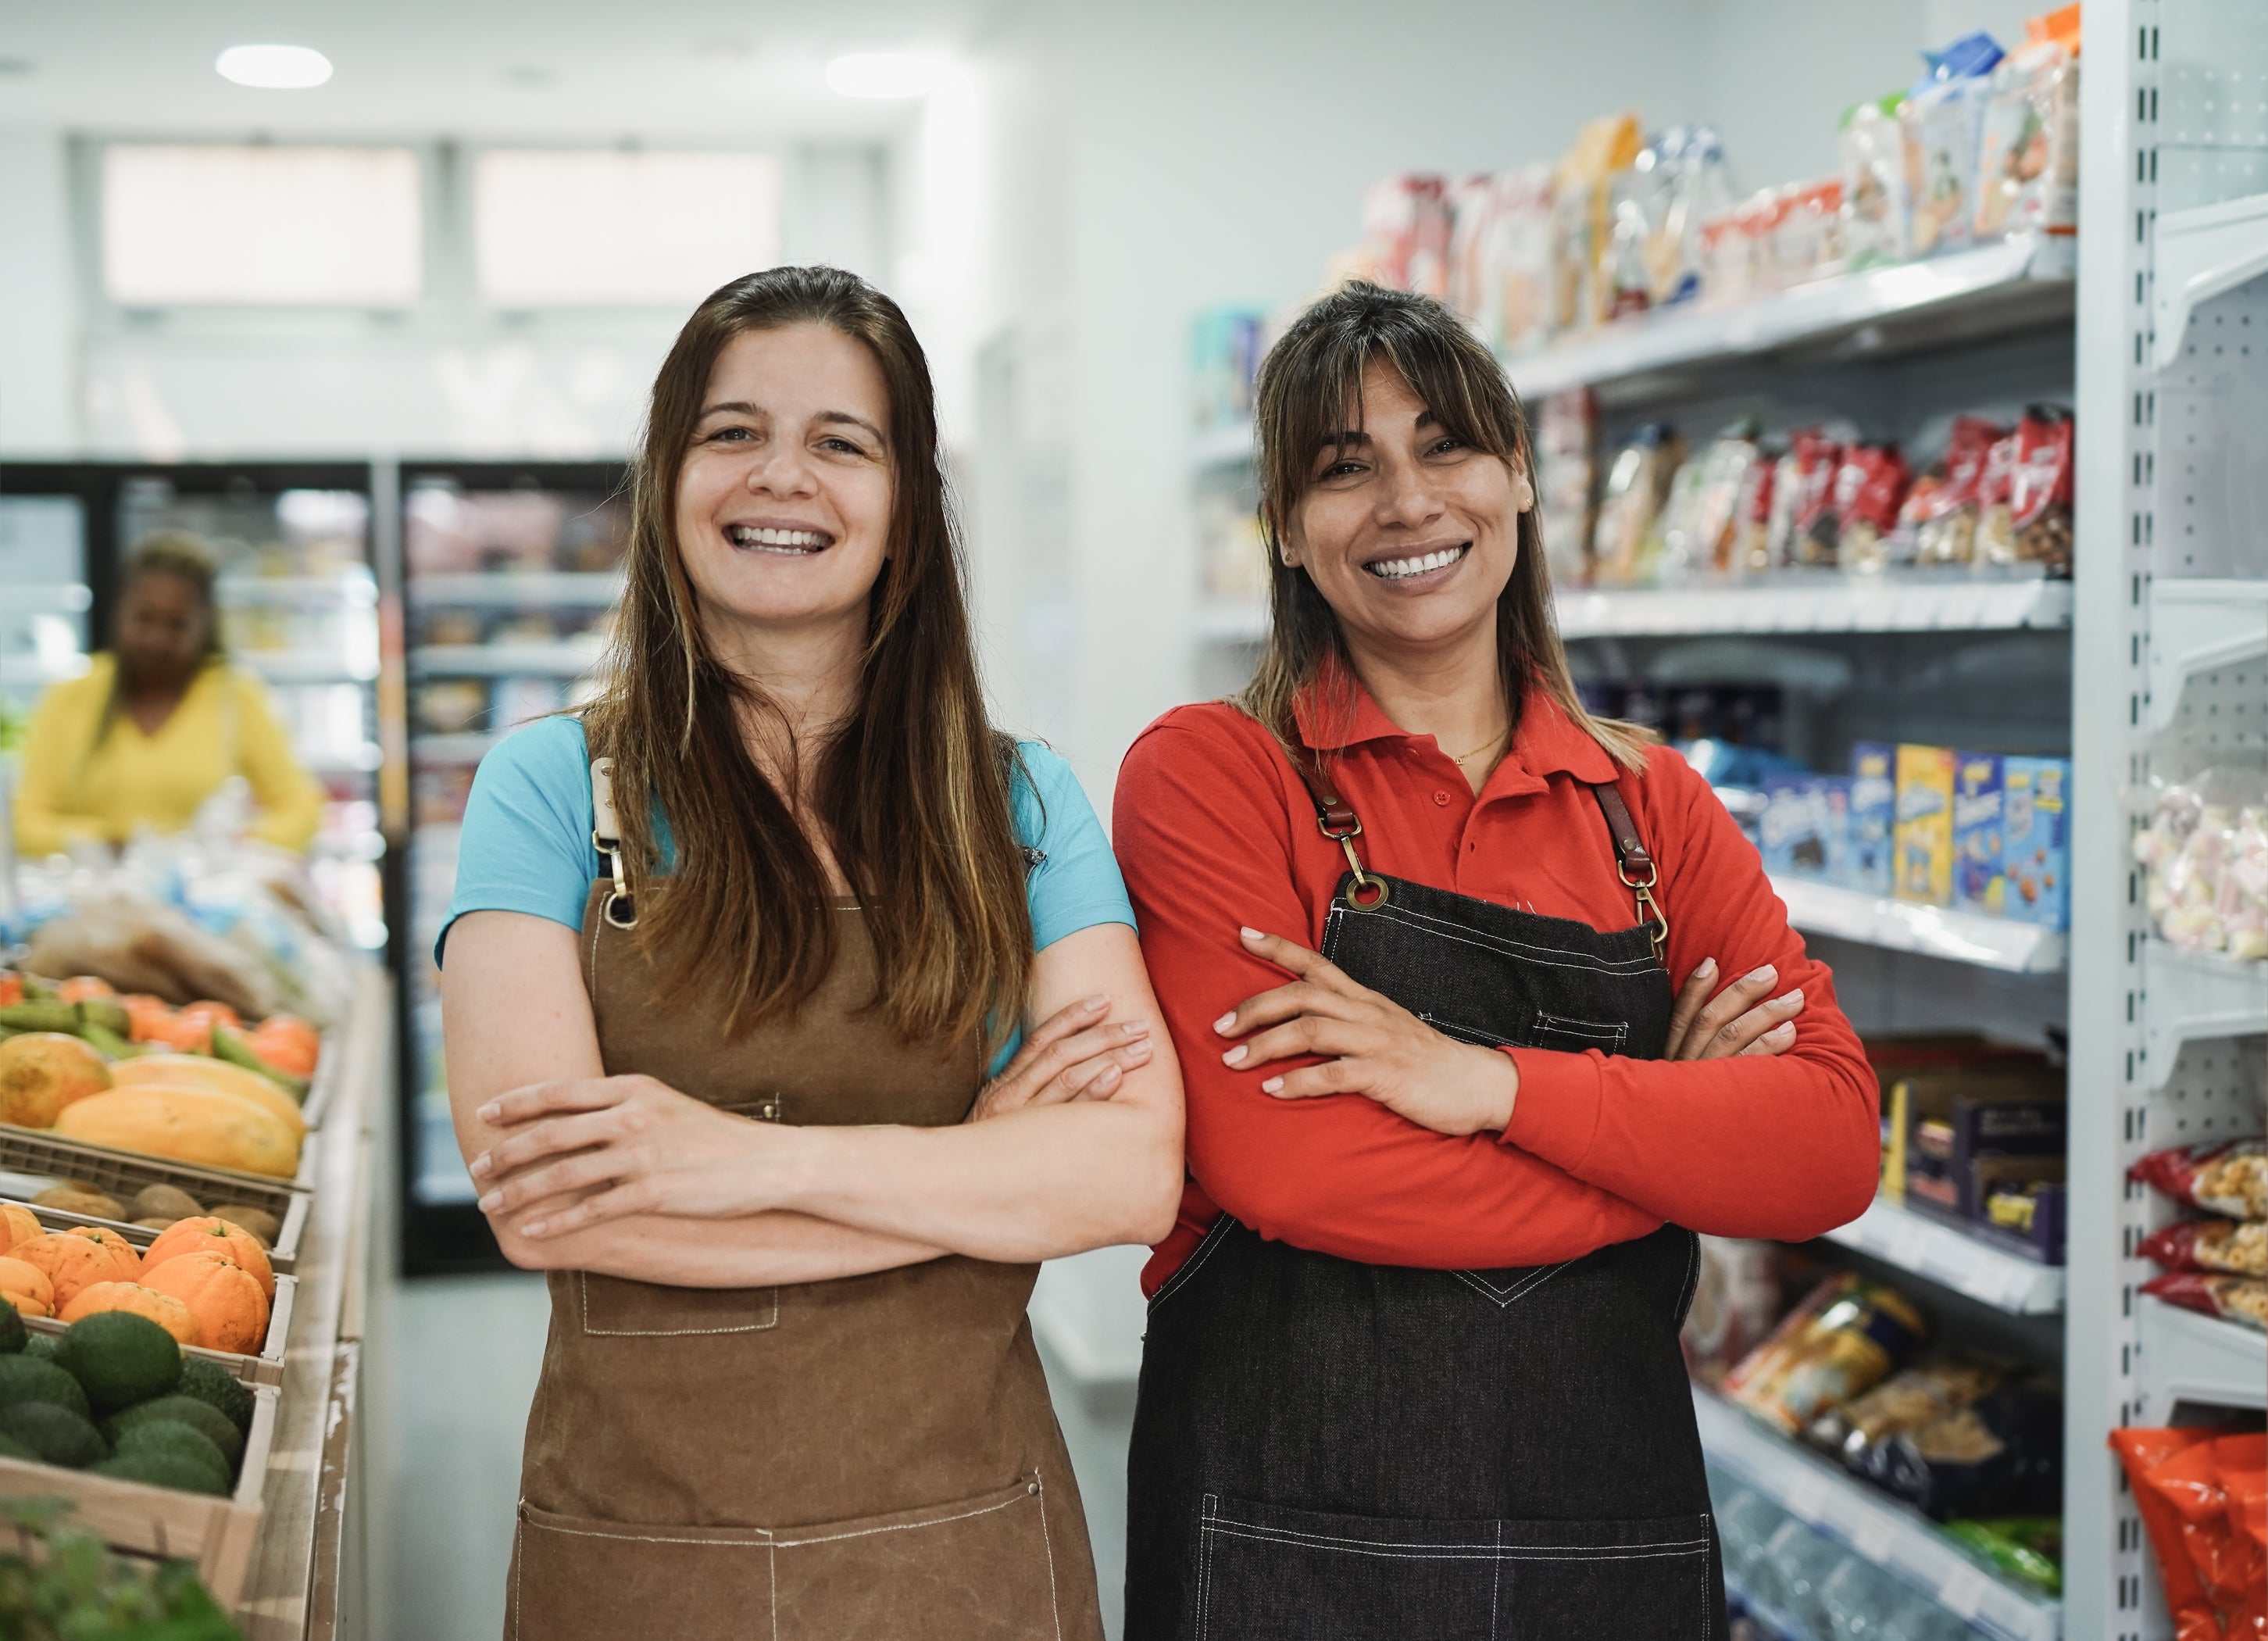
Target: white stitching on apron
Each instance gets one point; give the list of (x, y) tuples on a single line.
[(1212, 1239), (1394, 913), (1476, 1552), (1048, 1544), (760, 1538), (583, 1295), (902, 1526), (1503, 1298)]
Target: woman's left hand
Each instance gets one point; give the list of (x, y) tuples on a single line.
[(621, 1145), (1377, 1048)]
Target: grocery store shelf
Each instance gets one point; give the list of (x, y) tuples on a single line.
[(344, 760), (517, 588), (1875, 1526), (451, 748), (1822, 603), (311, 665), (2195, 626), (2202, 254), (489, 661), (1990, 942), (1226, 444), (350, 587), (2187, 1357), (1944, 1254), (2017, 279), (2191, 996)]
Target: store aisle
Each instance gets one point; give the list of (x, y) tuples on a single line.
[(454, 1386)]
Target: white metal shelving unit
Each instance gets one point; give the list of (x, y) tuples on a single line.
[(1990, 942), (1951, 1258)]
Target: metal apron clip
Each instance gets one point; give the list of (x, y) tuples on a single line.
[(620, 909)]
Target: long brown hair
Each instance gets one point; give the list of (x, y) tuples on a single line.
[(1307, 383), (913, 791)]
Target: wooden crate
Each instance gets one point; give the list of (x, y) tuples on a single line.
[(122, 1173), (266, 1368), (216, 1533)]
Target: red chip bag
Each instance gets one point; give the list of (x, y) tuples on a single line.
[(2222, 1176), (2227, 1560), (2239, 1247), (2240, 1299), (2141, 1450)]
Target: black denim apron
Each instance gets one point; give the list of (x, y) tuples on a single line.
[(1325, 1450)]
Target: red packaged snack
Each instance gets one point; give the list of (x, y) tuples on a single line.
[(2040, 489), (2240, 1299), (1869, 487), (2141, 1451), (1995, 525), (1752, 517), (1812, 463), (1945, 527), (2227, 1559), (2238, 1246), (2222, 1176)]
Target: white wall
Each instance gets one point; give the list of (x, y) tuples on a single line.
[(38, 316)]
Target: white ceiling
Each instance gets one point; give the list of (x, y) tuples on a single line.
[(608, 69)]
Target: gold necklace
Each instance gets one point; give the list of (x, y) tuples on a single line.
[(1483, 747)]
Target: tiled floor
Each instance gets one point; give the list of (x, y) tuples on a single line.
[(448, 1372)]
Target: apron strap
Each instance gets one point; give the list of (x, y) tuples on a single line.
[(606, 838), (1632, 864)]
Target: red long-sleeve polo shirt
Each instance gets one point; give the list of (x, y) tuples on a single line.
[(1213, 831)]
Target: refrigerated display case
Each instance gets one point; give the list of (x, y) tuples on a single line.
[(511, 576), (50, 566), (297, 600)]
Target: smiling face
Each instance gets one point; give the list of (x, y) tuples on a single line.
[(1409, 532), (784, 500)]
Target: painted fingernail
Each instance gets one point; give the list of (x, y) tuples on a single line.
[(1791, 998), (1225, 1022), (1092, 1004), (490, 1112), (481, 1166), (1235, 1056), (1764, 973), (1138, 1051), (1107, 1078), (1251, 933), (492, 1201), (534, 1228), (1708, 967), (1273, 1085)]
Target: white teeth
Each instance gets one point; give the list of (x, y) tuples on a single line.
[(785, 541), (1395, 569)]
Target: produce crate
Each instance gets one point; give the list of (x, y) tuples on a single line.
[(122, 1173), (266, 1368), (217, 1533), (140, 1235)]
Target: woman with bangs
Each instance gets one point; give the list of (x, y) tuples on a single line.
[(735, 971), (1411, 1365)]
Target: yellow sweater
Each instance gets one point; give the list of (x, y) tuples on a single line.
[(71, 787)]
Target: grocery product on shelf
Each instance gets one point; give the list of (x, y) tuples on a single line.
[(1980, 879), (1737, 1300), (1875, 208), (1566, 477), (2243, 1300), (1501, 259), (2029, 521), (1940, 121), (1581, 218), (1923, 838), (2238, 1246), (2227, 1177), (2028, 152), (1868, 860), (1637, 486), (2214, 1265), (1226, 345), (2000, 1454), (2198, 1493), (1844, 1337), (2206, 851), (1856, 1431)]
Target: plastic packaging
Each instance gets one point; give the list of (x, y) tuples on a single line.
[(1736, 1300), (1940, 122), (1637, 486), (1944, 516), (2207, 850), (2237, 1246), (1566, 478), (2207, 1485), (2002, 1454), (2220, 1176), (2027, 1549), (1870, 485), (1405, 231), (1906, 1400), (1875, 229), (1845, 1337), (2240, 1299), (2141, 1450), (2027, 149), (1581, 216), (2040, 489), (1500, 256)]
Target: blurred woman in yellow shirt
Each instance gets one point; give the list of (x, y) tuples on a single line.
[(155, 727)]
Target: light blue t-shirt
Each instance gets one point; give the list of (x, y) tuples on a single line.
[(526, 840)]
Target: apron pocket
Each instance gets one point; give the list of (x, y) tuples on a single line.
[(1268, 1574), (577, 1576), (981, 1568), (616, 1307), (1565, 1032)]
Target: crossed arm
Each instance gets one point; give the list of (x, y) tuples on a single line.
[(1076, 1145)]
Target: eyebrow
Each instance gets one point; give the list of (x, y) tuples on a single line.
[(829, 417), (1355, 437)]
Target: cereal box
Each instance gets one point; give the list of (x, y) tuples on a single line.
[(2035, 848), (1793, 834), (1977, 885), (1922, 840), (1866, 862)]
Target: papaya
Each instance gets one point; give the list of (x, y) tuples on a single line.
[(196, 1071), (17, 1223), (187, 1123), (26, 1288), (44, 1073)]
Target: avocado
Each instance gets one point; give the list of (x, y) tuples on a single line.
[(157, 1467), (13, 1333), (167, 1436), (11, 1448), (208, 1381), (39, 1347), (28, 1379), (119, 1358), (54, 1434), (202, 1416)]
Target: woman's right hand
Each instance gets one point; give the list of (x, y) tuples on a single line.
[(1735, 1022), (1070, 1055)]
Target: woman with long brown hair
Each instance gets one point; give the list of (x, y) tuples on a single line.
[(729, 962), (1411, 1365)]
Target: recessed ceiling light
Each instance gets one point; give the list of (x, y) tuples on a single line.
[(274, 67), (878, 74)]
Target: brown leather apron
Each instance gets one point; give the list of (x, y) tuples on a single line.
[(874, 1456)]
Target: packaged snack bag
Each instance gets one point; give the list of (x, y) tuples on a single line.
[(1924, 825), (1906, 1400), (1844, 1338), (1581, 211), (1501, 259), (1405, 225), (1566, 478), (2000, 1454), (1697, 525), (2040, 489), (2238, 1247), (1978, 884), (2035, 844), (1793, 833), (1637, 485), (1749, 549), (1668, 552), (1940, 122), (1945, 528), (1735, 1299), (1996, 526), (2206, 850), (1875, 207), (1870, 486), (1814, 526), (2240, 1299), (1808, 231), (2201, 1483), (2141, 1450), (2026, 1549), (1874, 817), (2220, 1176), (2028, 154)]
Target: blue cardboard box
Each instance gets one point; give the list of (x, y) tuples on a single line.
[(2036, 845), (1794, 834), (1873, 814), (1978, 885)]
